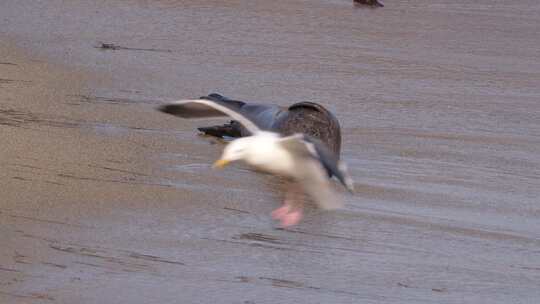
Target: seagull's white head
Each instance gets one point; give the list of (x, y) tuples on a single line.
[(238, 149)]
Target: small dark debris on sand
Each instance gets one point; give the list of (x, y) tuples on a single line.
[(403, 285), (109, 46), (115, 47), (81, 98), (372, 3)]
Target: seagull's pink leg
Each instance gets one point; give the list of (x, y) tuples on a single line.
[(290, 213), (291, 218), (281, 211)]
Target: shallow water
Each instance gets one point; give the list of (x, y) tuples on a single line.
[(439, 105)]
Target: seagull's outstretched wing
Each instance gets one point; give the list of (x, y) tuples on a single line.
[(307, 147), (201, 108)]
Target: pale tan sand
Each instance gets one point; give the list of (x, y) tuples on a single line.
[(60, 169)]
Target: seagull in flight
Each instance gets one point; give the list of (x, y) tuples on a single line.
[(302, 159)]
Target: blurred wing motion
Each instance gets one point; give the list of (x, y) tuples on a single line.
[(314, 164), (204, 108)]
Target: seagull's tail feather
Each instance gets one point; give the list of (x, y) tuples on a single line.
[(346, 179)]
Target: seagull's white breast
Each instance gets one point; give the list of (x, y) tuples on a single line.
[(267, 154)]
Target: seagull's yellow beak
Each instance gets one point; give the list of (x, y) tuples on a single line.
[(220, 163)]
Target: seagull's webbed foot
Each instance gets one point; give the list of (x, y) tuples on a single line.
[(291, 212), (287, 215)]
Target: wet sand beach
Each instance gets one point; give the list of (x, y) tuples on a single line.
[(105, 200)]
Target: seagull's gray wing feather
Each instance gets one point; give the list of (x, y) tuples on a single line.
[(201, 108), (303, 146)]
